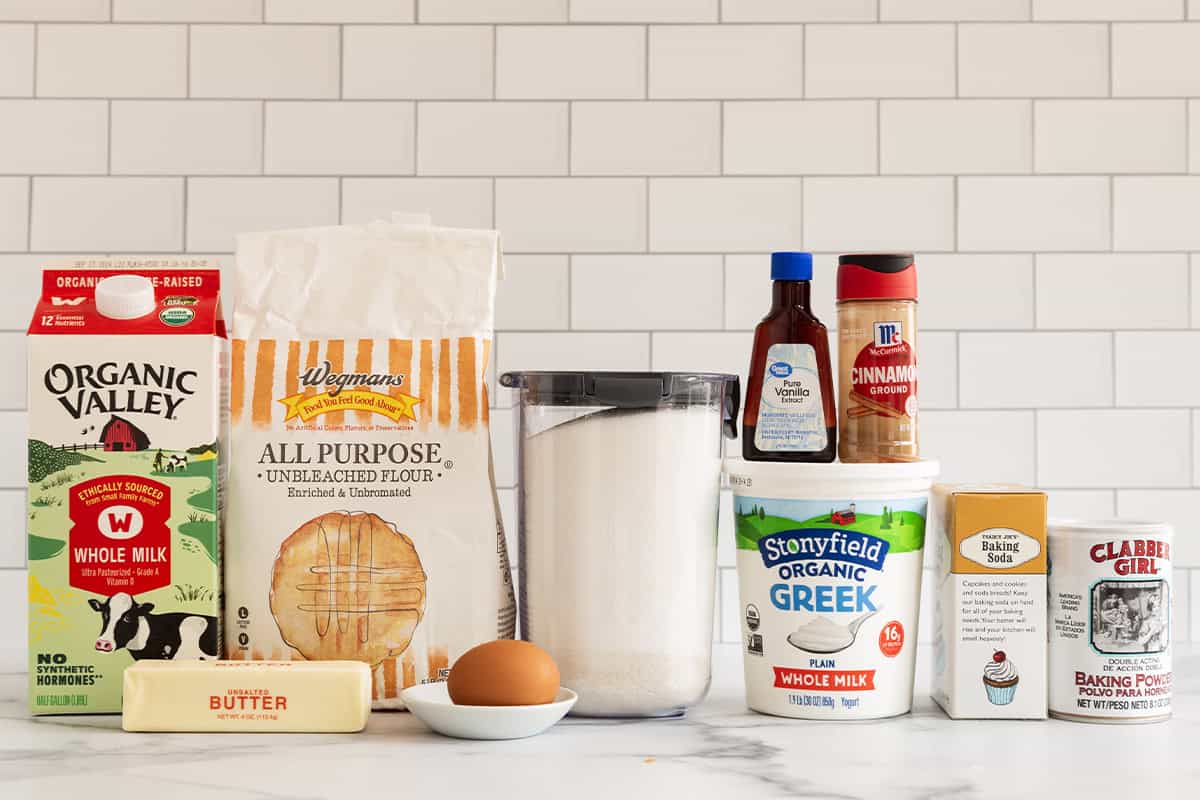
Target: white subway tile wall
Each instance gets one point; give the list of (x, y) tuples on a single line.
[(641, 160)]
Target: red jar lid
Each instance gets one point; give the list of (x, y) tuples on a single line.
[(876, 276)]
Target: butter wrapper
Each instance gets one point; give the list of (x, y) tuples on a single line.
[(247, 696)]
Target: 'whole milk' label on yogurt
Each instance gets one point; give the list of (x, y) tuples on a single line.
[(830, 592)]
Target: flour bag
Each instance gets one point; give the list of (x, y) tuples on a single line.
[(363, 521)]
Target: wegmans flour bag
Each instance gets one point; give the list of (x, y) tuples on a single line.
[(362, 518)]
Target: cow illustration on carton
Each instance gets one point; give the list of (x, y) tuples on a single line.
[(128, 624)]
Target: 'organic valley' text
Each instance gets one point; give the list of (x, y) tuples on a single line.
[(112, 387)]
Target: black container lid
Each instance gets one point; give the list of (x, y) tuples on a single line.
[(629, 390), (879, 262)]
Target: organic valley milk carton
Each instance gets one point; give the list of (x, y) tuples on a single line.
[(126, 378), (990, 623)]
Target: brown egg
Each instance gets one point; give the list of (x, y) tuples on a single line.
[(505, 672)]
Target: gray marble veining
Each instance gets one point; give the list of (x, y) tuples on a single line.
[(719, 750)]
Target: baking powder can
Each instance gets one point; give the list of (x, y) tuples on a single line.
[(1110, 620)]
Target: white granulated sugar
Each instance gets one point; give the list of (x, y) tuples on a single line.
[(619, 555)]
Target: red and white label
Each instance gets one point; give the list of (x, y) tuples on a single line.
[(828, 680), (885, 371), (891, 639), (120, 540)]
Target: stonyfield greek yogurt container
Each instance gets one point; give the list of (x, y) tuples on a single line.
[(829, 560)]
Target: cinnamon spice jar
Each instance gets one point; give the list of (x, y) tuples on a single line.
[(877, 357)]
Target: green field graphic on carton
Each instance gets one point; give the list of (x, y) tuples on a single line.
[(58, 470)]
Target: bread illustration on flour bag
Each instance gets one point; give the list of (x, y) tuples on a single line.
[(362, 507)]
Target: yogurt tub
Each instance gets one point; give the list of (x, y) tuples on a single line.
[(829, 560)]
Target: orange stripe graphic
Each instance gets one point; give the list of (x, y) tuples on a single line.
[(292, 377), (400, 363), (485, 409), (443, 399), (310, 362), (362, 363), (264, 382), (426, 393), (237, 400), (335, 352), (437, 659), (389, 677), (467, 392), (409, 669)]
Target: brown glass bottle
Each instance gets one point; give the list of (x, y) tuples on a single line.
[(789, 413)]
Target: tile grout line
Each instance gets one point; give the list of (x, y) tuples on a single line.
[(1033, 292), (184, 245), (262, 137), (803, 61), (1109, 46), (29, 215), (1187, 138), (646, 63), (681, 100), (721, 137), (956, 61), (955, 199), (187, 62), (724, 287), (856, 23), (1113, 365), (1037, 478), (958, 370), (646, 201), (33, 90), (1033, 115), (878, 136), (1192, 449), (1112, 214)]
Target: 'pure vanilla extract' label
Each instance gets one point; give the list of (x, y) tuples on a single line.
[(791, 413)]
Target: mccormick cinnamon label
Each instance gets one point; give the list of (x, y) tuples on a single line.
[(125, 472), (1110, 621), (884, 376)]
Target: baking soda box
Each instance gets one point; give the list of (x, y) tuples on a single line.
[(990, 620), (126, 377)]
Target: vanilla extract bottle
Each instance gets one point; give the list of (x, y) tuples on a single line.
[(789, 413)]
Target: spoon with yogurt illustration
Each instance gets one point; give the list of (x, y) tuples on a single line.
[(823, 635)]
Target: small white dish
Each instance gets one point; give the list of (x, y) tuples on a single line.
[(431, 703)]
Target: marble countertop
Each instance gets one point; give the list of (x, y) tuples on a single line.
[(719, 750)]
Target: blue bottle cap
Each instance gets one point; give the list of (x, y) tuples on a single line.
[(791, 266)]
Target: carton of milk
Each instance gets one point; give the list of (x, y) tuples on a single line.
[(990, 622), (126, 403)]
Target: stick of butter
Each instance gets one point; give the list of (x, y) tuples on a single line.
[(247, 696)]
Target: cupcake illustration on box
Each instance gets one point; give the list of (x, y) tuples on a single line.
[(1000, 679)]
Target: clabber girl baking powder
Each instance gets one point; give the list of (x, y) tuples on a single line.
[(1110, 621)]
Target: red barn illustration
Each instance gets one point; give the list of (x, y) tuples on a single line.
[(845, 516), (120, 435)]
